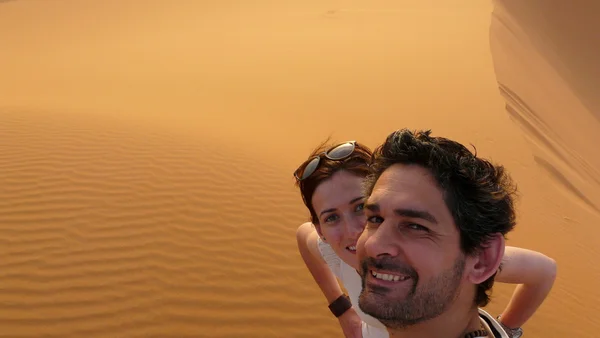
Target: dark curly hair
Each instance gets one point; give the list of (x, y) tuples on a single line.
[(479, 194)]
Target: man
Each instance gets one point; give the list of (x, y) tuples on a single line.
[(436, 220)]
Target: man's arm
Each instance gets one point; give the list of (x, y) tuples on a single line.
[(535, 273)]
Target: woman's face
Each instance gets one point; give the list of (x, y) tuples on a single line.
[(338, 203)]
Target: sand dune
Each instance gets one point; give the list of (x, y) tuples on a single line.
[(115, 231), (546, 64), (146, 154), (545, 56)]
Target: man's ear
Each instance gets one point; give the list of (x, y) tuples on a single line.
[(486, 260)]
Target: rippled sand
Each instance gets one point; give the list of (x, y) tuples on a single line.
[(147, 147)]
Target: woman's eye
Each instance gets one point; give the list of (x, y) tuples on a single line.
[(331, 218), (360, 207)]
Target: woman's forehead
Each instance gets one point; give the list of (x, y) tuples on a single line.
[(340, 190)]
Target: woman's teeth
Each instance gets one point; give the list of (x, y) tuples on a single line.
[(351, 248), (388, 277)]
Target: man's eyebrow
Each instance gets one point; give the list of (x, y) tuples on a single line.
[(354, 200), (373, 207), (414, 213), (403, 212)]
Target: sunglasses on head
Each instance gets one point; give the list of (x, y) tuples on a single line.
[(335, 153)]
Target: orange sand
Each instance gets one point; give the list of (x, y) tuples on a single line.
[(147, 150)]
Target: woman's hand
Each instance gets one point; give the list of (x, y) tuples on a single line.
[(351, 324)]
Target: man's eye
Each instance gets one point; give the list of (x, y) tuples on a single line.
[(375, 219), (360, 207), (417, 227)]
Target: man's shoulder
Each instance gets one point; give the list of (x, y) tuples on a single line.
[(492, 325)]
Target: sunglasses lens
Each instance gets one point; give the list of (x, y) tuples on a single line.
[(310, 168), (341, 151)]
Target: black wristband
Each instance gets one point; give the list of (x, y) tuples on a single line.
[(339, 306)]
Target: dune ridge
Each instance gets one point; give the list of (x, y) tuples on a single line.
[(545, 63), (545, 73)]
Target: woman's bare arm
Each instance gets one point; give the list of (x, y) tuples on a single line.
[(535, 273), (307, 236)]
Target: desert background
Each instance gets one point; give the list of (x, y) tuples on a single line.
[(147, 150)]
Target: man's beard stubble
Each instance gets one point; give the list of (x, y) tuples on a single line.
[(424, 301)]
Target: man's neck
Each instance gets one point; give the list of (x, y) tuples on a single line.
[(453, 323)]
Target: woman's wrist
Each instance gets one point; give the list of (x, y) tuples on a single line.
[(513, 332), (339, 306)]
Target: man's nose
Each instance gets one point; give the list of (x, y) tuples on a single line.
[(382, 242)]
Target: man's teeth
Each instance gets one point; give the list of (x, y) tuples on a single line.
[(352, 248), (385, 276)]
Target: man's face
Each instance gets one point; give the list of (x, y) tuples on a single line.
[(411, 263)]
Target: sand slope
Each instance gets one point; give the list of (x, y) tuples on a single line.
[(121, 232), (546, 65), (147, 147), (545, 57)]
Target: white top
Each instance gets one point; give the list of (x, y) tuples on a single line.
[(371, 327)]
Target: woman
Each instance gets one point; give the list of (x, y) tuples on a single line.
[(330, 183)]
